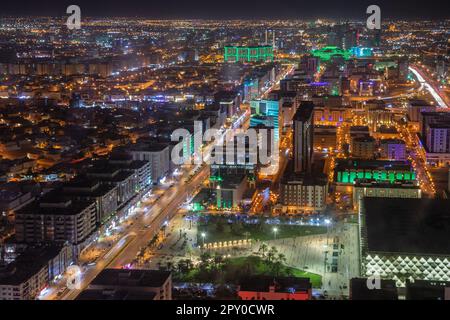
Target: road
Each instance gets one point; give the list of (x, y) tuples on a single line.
[(430, 86), (148, 224)]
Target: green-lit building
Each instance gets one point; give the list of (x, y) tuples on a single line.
[(326, 53), (347, 171), (248, 53)]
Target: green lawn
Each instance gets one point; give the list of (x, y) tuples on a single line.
[(219, 229), (235, 269), (258, 267)]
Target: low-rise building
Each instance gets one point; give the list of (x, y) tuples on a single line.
[(275, 288), (24, 278), (363, 147), (121, 284), (393, 149)]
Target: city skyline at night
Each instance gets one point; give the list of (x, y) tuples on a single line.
[(235, 151)]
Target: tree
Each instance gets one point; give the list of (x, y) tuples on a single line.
[(277, 265), (272, 254), (262, 249)]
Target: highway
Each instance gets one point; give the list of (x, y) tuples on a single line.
[(429, 85)]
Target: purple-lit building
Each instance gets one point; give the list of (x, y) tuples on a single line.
[(393, 149)]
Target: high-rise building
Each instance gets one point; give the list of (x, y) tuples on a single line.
[(303, 137)]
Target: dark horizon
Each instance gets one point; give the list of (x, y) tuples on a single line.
[(232, 9)]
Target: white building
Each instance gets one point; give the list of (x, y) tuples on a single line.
[(157, 155)]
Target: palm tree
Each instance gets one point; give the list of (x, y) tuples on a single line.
[(263, 248), (281, 258), (272, 254)]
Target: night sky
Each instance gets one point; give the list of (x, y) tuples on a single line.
[(225, 9)]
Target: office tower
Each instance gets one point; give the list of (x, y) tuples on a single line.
[(303, 137)]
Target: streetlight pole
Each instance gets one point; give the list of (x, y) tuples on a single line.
[(203, 238), (275, 230)]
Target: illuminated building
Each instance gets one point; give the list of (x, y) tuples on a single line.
[(327, 53), (303, 193), (303, 137), (361, 52), (378, 116), (331, 115), (393, 149), (57, 220), (278, 288), (405, 239), (383, 189), (272, 109), (435, 136), (346, 171), (229, 190), (325, 138), (33, 270), (157, 155), (248, 53), (363, 147), (415, 107)]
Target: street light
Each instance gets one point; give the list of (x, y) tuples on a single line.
[(203, 237), (275, 230)]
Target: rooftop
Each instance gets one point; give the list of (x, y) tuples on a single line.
[(94, 294), (131, 278), (414, 226), (28, 263), (305, 111)]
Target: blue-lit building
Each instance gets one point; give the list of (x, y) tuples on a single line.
[(269, 109)]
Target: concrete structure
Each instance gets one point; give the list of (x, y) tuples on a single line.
[(303, 195), (359, 290), (126, 182), (435, 136)]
